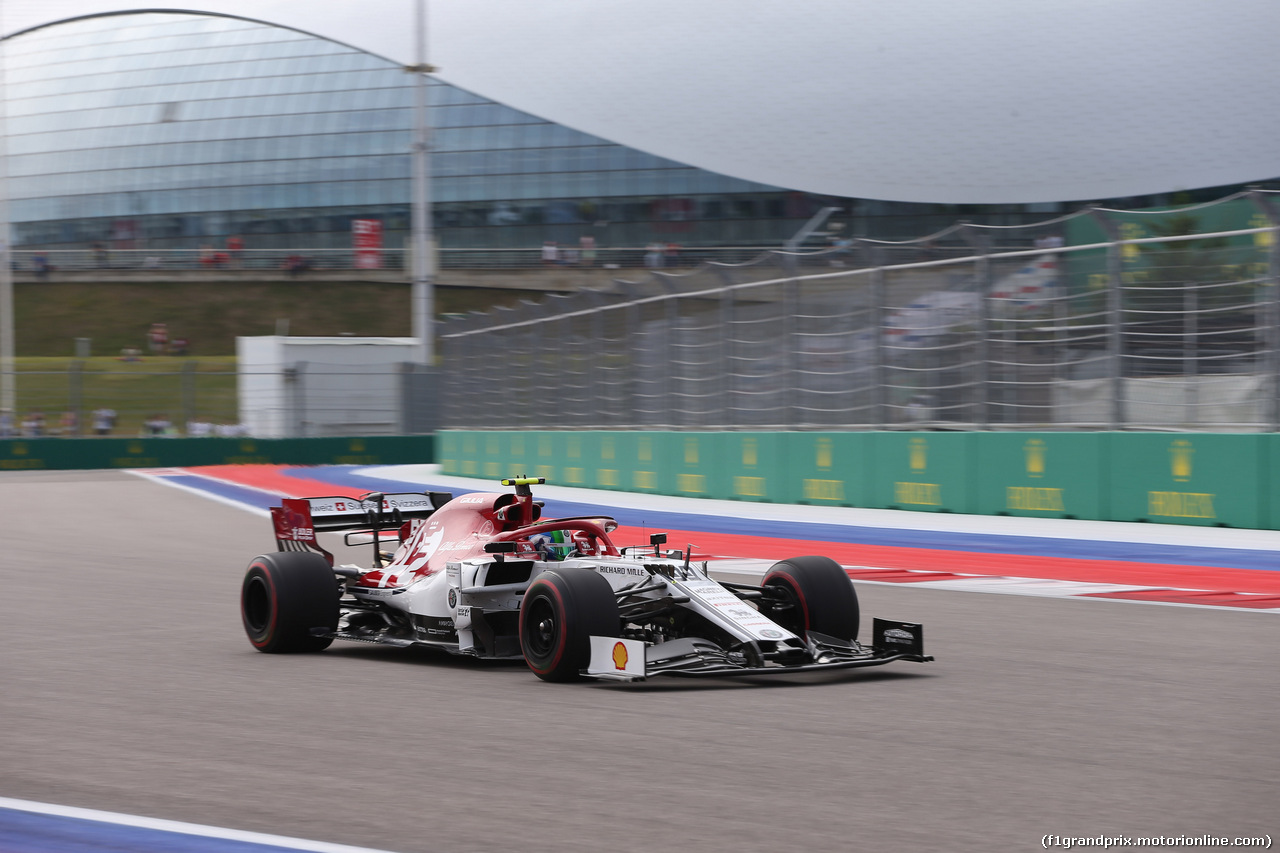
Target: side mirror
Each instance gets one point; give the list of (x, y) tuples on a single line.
[(657, 539), (500, 549)]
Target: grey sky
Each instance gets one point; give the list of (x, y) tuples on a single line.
[(915, 100)]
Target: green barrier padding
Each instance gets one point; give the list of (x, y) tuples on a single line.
[(99, 453), (1188, 479), (1042, 475), (828, 468), (1156, 477), (923, 471), (755, 467)]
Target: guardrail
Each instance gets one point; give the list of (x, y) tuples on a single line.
[(50, 261), (91, 454)]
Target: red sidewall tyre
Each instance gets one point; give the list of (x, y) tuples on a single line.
[(562, 609), (284, 597), (818, 596)]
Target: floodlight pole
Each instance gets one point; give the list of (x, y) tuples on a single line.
[(423, 298)]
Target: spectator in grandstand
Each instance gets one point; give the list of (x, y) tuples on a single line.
[(104, 420), (157, 424), (296, 265), (33, 424), (235, 250), (158, 338), (653, 256)]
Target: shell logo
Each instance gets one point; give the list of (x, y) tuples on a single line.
[(619, 656)]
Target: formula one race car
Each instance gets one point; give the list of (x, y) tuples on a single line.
[(484, 575)]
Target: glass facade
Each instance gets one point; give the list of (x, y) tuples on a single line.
[(174, 130), (166, 130)]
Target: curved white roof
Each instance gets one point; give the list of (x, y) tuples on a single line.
[(981, 101)]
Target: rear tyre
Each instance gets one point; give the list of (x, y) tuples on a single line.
[(563, 608), (812, 594), (284, 597)]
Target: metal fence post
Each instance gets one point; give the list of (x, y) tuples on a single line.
[(880, 404), (189, 391), (1115, 316), (726, 358), (75, 385), (1272, 311), (791, 342), (982, 275)]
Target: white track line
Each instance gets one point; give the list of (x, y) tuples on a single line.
[(1041, 587)]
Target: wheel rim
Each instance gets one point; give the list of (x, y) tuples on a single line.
[(786, 611), (257, 605), (543, 629)]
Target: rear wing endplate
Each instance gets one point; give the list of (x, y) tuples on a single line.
[(298, 520)]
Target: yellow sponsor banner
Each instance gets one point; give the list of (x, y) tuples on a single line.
[(1034, 498), (691, 483), (1181, 504), (823, 490), (918, 494)]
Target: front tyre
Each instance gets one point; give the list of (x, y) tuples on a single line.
[(811, 594), (285, 598), (563, 608)]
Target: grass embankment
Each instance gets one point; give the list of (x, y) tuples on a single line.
[(51, 315), (182, 389), (201, 386)]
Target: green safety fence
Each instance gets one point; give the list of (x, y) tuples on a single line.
[(97, 453), (1201, 479)]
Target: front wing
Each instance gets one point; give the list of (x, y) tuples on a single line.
[(618, 659)]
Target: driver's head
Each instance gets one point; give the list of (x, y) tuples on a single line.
[(553, 545)]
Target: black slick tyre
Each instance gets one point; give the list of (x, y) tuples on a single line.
[(562, 609), (285, 597), (812, 594)]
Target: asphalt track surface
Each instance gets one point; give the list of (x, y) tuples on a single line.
[(126, 684)]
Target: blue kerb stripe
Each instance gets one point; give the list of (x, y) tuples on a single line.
[(239, 494), (28, 832), (978, 543)]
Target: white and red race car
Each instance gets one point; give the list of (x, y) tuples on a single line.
[(484, 575)]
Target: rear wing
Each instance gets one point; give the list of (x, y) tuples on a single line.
[(298, 520)]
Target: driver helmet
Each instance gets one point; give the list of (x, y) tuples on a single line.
[(554, 545)]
